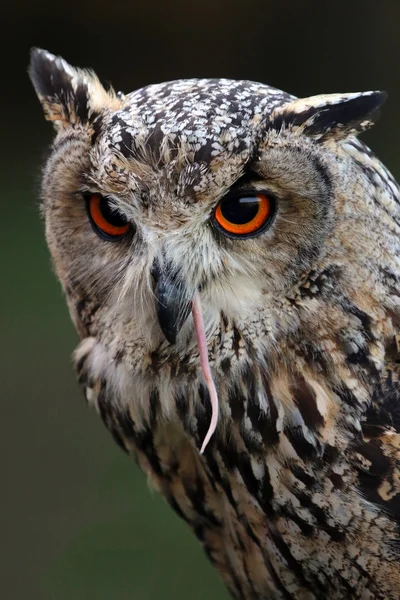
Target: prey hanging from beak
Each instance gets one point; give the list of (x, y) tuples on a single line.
[(173, 308), (205, 365)]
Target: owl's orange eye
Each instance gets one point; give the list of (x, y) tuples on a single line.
[(106, 220), (244, 215)]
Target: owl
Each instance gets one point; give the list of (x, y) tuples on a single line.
[(230, 259)]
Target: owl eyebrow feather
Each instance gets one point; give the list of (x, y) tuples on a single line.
[(246, 179)]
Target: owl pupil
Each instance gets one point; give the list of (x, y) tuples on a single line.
[(111, 214), (240, 210)]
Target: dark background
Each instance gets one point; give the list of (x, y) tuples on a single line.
[(77, 518)]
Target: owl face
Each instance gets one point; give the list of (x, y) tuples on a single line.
[(229, 188)]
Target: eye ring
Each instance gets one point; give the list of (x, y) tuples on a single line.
[(106, 221), (245, 214)]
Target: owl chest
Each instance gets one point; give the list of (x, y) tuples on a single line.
[(272, 496), (275, 529)]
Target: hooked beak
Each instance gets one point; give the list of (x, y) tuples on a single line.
[(173, 300)]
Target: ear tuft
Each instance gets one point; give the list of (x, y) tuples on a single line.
[(50, 75), (330, 115), (68, 95)]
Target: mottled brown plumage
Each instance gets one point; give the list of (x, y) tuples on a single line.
[(297, 495)]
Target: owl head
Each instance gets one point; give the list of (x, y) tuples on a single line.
[(266, 205)]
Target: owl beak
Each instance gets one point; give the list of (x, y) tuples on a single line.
[(173, 302)]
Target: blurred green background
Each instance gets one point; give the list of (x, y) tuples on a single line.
[(77, 518)]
